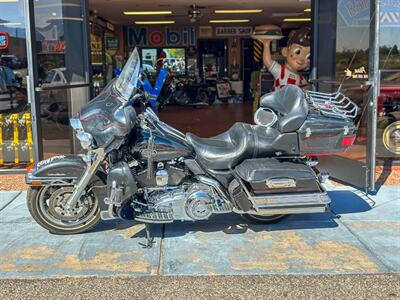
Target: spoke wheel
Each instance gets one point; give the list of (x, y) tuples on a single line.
[(48, 206)]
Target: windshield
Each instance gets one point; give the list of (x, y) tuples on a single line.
[(127, 81)]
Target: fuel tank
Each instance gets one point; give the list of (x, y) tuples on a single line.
[(158, 147)]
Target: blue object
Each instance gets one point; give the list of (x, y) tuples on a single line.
[(155, 91)]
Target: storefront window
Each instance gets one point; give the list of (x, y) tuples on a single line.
[(62, 68), (58, 28), (388, 128), (16, 145), (352, 60)]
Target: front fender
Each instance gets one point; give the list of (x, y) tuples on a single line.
[(62, 167), (64, 170)]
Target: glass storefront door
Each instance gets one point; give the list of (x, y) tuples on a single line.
[(61, 64), (16, 142), (355, 55), (388, 123), (348, 30)]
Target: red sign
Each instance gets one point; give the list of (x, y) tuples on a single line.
[(3, 40), (53, 46)]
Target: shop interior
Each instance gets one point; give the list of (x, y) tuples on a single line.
[(205, 71), (207, 48)]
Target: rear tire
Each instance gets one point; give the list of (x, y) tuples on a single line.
[(268, 219), (44, 218)]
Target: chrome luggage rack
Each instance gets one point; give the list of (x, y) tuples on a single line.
[(334, 105)]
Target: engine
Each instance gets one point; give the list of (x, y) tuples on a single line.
[(191, 202), (161, 174)]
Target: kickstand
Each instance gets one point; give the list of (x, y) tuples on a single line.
[(335, 215), (149, 239)]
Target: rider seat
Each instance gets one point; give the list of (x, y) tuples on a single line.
[(290, 106), (243, 141), (230, 148)]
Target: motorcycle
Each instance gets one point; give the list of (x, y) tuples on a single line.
[(140, 168), (188, 92)]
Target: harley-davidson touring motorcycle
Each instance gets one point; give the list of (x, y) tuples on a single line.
[(139, 168)]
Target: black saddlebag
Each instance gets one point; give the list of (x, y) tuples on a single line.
[(321, 135), (270, 176)]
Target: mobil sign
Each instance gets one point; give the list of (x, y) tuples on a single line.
[(143, 36)]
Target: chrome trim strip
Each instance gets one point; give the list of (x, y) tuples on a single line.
[(286, 210), (291, 200)]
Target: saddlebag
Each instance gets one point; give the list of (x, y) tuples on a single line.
[(271, 176), (272, 186)]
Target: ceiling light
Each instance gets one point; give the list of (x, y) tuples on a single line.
[(237, 11), (297, 20), (307, 10), (9, 0), (154, 22), (286, 14), (141, 13), (230, 21)]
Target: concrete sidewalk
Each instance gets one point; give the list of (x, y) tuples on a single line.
[(364, 239)]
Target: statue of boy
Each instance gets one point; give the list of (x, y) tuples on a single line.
[(297, 58)]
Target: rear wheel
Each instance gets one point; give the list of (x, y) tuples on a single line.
[(267, 219), (47, 205)]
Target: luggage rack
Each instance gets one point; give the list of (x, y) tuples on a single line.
[(334, 105)]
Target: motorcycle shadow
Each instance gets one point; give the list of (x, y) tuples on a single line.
[(343, 202)]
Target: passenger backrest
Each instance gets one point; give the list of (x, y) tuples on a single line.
[(290, 105)]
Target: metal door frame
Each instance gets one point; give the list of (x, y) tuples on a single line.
[(374, 80), (336, 164), (32, 80)]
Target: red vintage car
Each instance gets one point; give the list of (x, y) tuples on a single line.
[(388, 143)]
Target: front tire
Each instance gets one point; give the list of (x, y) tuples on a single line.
[(258, 219), (47, 211)]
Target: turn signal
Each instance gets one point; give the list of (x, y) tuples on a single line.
[(347, 141), (30, 167)]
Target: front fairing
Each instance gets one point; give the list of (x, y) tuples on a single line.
[(108, 117)]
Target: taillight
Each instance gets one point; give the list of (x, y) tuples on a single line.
[(347, 141)]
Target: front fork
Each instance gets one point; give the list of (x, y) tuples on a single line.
[(92, 165)]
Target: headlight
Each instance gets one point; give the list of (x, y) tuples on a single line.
[(86, 139), (76, 124)]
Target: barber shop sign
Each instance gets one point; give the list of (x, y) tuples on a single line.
[(143, 36)]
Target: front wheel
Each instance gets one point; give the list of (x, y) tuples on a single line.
[(267, 219), (47, 206)]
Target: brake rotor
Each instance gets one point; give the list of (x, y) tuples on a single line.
[(58, 205)]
